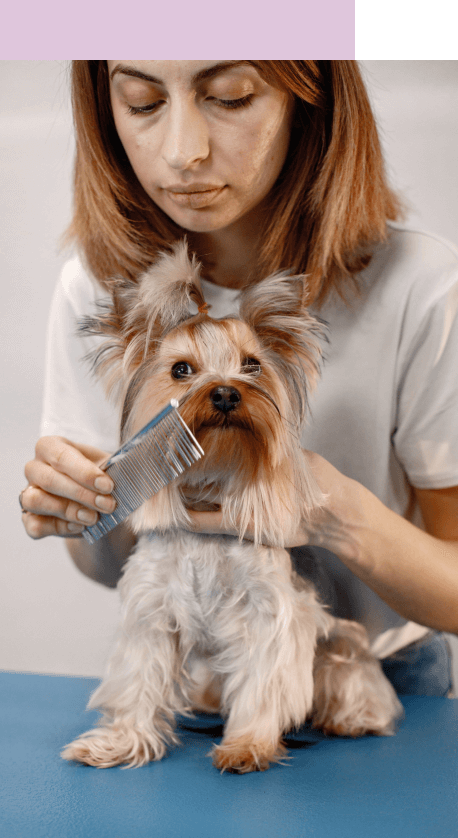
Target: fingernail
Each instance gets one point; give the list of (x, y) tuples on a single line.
[(75, 528), (87, 516), (104, 484), (104, 503)]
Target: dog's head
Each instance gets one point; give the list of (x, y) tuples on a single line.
[(242, 384)]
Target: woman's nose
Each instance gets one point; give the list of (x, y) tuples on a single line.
[(186, 140)]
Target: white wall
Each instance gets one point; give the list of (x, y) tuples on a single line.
[(52, 619)]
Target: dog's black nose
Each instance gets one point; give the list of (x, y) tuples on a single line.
[(225, 398)]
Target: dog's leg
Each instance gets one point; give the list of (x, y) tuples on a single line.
[(140, 692), (352, 696), (268, 658), (137, 697)]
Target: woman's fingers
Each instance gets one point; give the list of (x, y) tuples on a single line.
[(42, 476), (207, 522), (64, 471), (67, 488), (40, 502), (81, 463), (39, 526), (45, 514)]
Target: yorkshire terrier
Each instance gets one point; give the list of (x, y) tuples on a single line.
[(222, 623)]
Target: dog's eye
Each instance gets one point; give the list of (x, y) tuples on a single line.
[(182, 370), (251, 365)]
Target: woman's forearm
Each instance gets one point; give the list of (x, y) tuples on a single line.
[(415, 573), (104, 560), (412, 571)]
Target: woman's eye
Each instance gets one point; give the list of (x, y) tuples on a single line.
[(252, 366), (233, 103), (182, 370), (136, 109)]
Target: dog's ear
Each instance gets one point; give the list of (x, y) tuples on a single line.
[(276, 310), (140, 313)]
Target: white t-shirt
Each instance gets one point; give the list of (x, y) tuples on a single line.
[(385, 411)]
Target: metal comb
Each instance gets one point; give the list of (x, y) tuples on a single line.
[(146, 463)]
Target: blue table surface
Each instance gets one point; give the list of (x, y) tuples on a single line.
[(405, 785)]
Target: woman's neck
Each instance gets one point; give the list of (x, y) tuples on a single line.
[(229, 256)]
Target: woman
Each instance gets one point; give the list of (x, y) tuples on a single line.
[(267, 165)]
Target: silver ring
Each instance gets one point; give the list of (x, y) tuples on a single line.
[(20, 502)]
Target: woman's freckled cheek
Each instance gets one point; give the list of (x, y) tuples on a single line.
[(252, 150)]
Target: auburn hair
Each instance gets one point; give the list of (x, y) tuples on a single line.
[(325, 214)]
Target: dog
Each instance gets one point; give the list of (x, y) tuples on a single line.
[(222, 623)]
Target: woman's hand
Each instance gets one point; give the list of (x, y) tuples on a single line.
[(66, 488), (331, 525)]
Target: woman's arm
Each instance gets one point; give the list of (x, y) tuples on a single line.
[(414, 572), (66, 490), (104, 560)]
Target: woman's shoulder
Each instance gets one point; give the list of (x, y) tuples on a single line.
[(418, 255), (413, 269), (412, 240)]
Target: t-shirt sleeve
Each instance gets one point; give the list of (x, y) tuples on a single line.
[(74, 401), (426, 434)]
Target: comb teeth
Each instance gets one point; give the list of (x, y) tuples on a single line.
[(150, 460)]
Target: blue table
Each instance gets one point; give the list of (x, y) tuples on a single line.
[(404, 786)]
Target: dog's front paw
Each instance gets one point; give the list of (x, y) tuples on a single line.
[(240, 756), (105, 747)]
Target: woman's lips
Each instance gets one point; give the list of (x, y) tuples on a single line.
[(194, 200)]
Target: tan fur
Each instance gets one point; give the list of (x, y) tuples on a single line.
[(351, 694), (241, 756), (217, 622)]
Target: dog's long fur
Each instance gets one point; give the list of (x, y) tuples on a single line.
[(218, 623)]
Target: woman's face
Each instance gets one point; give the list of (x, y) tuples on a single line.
[(206, 139)]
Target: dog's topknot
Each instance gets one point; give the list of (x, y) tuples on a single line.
[(169, 292)]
